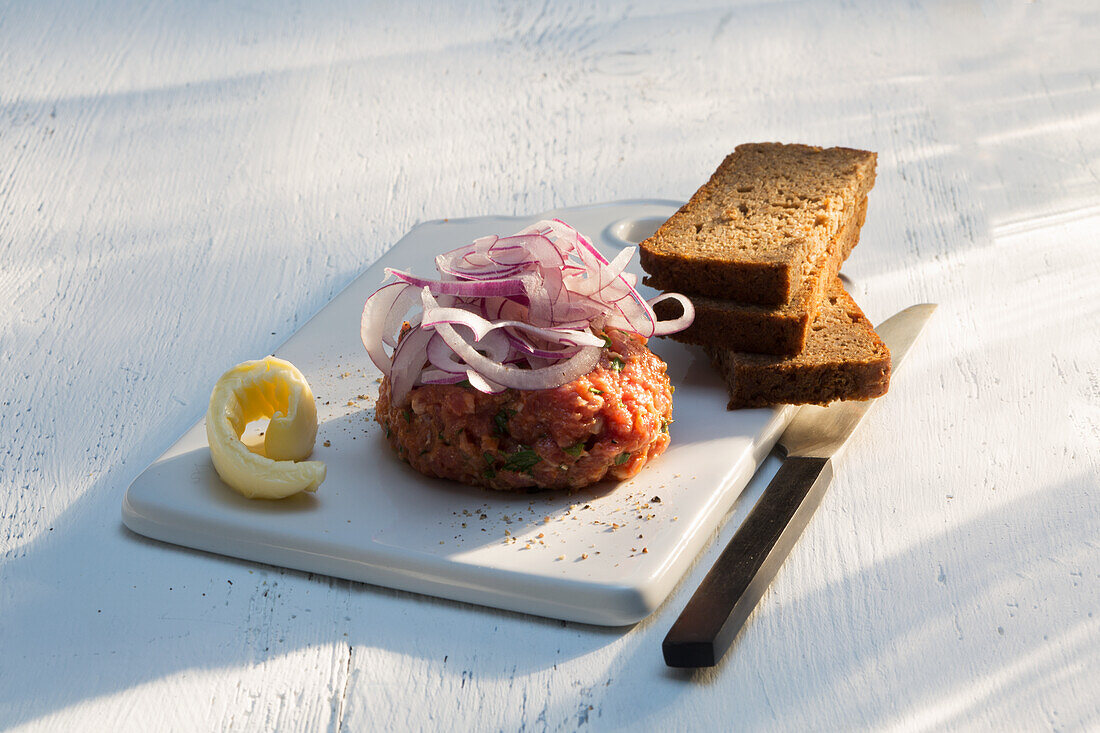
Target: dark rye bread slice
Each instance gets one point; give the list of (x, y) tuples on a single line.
[(844, 359), (768, 329), (754, 231)]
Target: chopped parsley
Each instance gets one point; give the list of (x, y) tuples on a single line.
[(488, 472), (500, 420), (575, 450), (622, 458), (522, 461), (593, 390), (617, 363)]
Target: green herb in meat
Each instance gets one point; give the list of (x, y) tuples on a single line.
[(575, 450), (522, 461), (500, 420)]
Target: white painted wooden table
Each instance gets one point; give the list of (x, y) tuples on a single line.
[(183, 184)]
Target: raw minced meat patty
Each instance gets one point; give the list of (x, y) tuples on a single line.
[(607, 424)]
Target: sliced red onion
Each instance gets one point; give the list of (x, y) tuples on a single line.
[(395, 320), (482, 384), (495, 346), (372, 327), (408, 362), (438, 376), (525, 347), (537, 247), (663, 328), (482, 327), (555, 375), (520, 311), (465, 288), (443, 358)]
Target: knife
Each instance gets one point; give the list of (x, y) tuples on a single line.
[(732, 588)]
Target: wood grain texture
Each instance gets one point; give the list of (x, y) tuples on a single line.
[(183, 184)]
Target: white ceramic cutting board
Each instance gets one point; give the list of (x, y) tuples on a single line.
[(605, 555)]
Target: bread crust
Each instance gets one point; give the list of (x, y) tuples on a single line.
[(843, 359), (762, 222), (780, 330)]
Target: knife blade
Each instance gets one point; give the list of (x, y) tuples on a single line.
[(815, 437)]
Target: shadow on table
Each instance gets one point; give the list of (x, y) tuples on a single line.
[(126, 626), (830, 652)]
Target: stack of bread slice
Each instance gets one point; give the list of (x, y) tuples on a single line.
[(758, 250)]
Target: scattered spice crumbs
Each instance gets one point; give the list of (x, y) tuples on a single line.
[(635, 503)]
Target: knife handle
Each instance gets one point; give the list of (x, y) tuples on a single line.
[(732, 588)]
